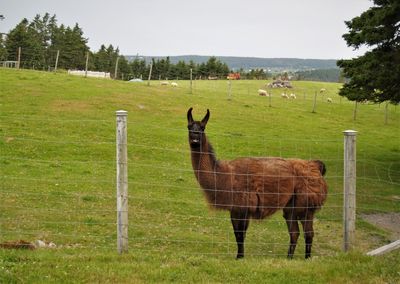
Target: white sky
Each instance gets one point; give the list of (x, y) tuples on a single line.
[(252, 28)]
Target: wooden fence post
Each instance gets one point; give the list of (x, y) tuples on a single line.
[(56, 65), (191, 81), (122, 182), (270, 99), (19, 58), (349, 189), (116, 69), (386, 113), (355, 111), (87, 62), (229, 89), (314, 110), (151, 69)]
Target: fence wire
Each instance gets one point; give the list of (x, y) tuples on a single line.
[(58, 186)]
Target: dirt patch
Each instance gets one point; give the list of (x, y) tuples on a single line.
[(387, 221)]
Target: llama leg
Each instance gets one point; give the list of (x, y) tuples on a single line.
[(308, 230), (293, 228), (240, 223)]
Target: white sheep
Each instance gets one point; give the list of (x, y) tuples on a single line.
[(164, 83), (263, 93), (293, 96), (173, 84), (284, 96), (329, 100)]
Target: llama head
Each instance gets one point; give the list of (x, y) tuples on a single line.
[(196, 129)]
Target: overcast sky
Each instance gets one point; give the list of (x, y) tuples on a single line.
[(252, 28)]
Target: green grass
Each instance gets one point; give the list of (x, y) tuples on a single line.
[(57, 165)]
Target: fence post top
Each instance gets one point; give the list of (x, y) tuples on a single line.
[(350, 133), (121, 113)]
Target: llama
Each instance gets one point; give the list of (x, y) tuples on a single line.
[(255, 188)]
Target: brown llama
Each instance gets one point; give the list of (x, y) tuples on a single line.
[(258, 187)]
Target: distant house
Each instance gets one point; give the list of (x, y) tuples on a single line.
[(233, 76)]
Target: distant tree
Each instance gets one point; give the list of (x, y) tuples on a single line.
[(194, 68), (138, 68), (101, 60), (25, 37), (375, 75), (202, 71), (182, 70), (74, 47), (124, 69)]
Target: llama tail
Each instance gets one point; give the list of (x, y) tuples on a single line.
[(321, 165)]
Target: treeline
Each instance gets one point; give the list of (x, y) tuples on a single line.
[(324, 75), (41, 39)]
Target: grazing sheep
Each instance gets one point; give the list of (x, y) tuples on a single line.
[(329, 100), (173, 84), (293, 96), (263, 93), (255, 188), (284, 96), (164, 83), (322, 90)]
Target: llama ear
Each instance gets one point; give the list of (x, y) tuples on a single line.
[(205, 119), (189, 116)]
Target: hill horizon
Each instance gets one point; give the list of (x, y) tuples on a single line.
[(237, 62)]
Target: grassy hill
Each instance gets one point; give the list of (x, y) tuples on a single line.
[(57, 164)]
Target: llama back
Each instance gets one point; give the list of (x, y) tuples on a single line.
[(265, 185)]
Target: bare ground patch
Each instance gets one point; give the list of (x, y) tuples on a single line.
[(386, 221)]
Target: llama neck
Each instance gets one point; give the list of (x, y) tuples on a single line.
[(212, 175), (204, 162)]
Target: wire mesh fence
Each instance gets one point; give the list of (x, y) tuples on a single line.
[(59, 186)]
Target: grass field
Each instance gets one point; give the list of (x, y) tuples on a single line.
[(57, 165)]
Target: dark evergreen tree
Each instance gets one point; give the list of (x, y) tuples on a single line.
[(138, 68), (124, 69), (375, 75), (25, 37)]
